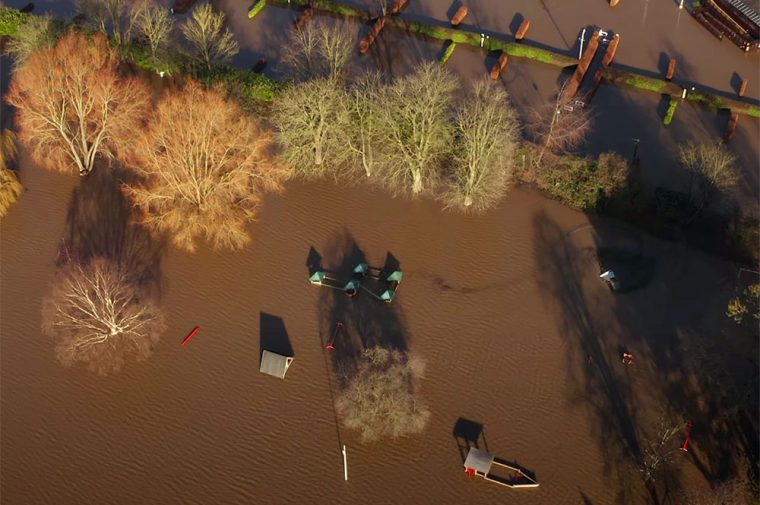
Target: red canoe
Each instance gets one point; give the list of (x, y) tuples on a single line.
[(191, 335)]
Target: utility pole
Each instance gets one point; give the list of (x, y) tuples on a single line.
[(583, 35), (635, 149)]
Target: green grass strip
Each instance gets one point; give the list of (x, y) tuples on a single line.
[(257, 7), (647, 83), (671, 111), (449, 51)]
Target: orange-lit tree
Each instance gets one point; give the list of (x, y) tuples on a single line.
[(203, 167), (74, 107), (99, 316)]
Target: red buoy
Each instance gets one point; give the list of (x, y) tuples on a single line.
[(191, 335)]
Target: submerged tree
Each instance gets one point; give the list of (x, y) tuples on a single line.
[(210, 41), (155, 23), (39, 32), (712, 172), (114, 18), (362, 130), (318, 50), (658, 451), (73, 105), (486, 133), (309, 117), (10, 187), (204, 166), (414, 118), (381, 398), (748, 302), (99, 317), (558, 127)]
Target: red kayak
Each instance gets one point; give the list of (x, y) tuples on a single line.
[(191, 334)]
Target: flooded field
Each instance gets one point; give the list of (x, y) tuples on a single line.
[(518, 332), (520, 336)]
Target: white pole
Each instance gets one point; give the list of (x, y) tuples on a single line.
[(580, 52), (345, 464), (680, 6), (683, 95), (482, 39)]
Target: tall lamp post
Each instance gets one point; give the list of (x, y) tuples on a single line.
[(580, 51)]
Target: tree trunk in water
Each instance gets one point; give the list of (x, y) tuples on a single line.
[(417, 184)]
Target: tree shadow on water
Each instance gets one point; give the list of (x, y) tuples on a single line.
[(603, 385), (366, 321), (100, 223)]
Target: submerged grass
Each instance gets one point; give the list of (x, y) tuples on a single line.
[(671, 111), (449, 51), (256, 8)]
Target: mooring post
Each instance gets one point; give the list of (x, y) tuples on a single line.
[(345, 464)]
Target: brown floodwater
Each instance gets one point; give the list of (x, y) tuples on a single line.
[(518, 333)]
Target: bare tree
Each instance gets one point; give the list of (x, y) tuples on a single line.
[(37, 33), (210, 41), (658, 451), (486, 133), (73, 105), (309, 117), (10, 187), (99, 317), (712, 172), (204, 166), (559, 127), (362, 131), (414, 116), (111, 17), (748, 302), (381, 398), (318, 50), (736, 491), (155, 23)]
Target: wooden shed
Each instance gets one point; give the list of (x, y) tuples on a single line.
[(275, 364)]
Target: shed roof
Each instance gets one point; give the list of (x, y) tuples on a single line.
[(479, 460), (274, 364)]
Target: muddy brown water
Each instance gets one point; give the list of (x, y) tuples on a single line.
[(518, 333)]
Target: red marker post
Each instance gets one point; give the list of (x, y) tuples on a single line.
[(190, 335), (685, 446), (331, 344)]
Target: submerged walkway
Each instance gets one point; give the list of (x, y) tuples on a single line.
[(501, 42)]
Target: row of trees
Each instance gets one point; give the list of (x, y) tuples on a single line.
[(142, 23), (410, 134)]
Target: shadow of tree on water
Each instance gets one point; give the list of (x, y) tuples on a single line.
[(99, 223), (691, 362), (604, 386), (367, 322)]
